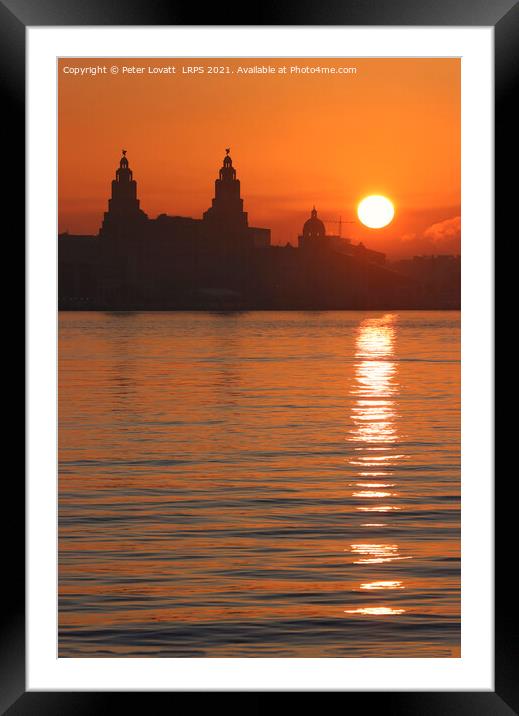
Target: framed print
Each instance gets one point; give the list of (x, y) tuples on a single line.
[(260, 310)]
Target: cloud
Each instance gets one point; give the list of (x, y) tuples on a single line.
[(444, 230)]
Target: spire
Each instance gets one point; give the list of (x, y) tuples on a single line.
[(123, 206), (123, 164), (227, 205), (227, 172), (124, 173), (314, 212)]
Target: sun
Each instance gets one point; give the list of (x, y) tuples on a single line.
[(376, 211)]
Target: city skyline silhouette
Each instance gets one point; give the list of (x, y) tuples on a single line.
[(221, 261), (391, 129)]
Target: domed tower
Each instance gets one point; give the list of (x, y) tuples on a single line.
[(226, 212), (313, 231), (123, 207)]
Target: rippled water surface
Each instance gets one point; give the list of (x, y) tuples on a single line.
[(259, 484)]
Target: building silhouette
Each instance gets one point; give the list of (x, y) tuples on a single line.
[(315, 238), (227, 206), (219, 261), (124, 213), (313, 231)]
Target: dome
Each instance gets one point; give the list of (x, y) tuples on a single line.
[(314, 227)]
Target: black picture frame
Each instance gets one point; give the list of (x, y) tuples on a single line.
[(15, 17)]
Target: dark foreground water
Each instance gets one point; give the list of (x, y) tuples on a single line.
[(259, 484)]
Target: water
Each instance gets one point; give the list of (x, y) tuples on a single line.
[(271, 484)]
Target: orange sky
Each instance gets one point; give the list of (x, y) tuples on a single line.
[(392, 128)]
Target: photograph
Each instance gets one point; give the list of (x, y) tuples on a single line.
[(259, 357)]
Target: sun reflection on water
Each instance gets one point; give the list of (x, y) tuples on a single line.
[(374, 435), (388, 584), (375, 484), (376, 385), (376, 553), (373, 493), (374, 611)]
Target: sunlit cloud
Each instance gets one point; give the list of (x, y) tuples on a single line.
[(444, 230)]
